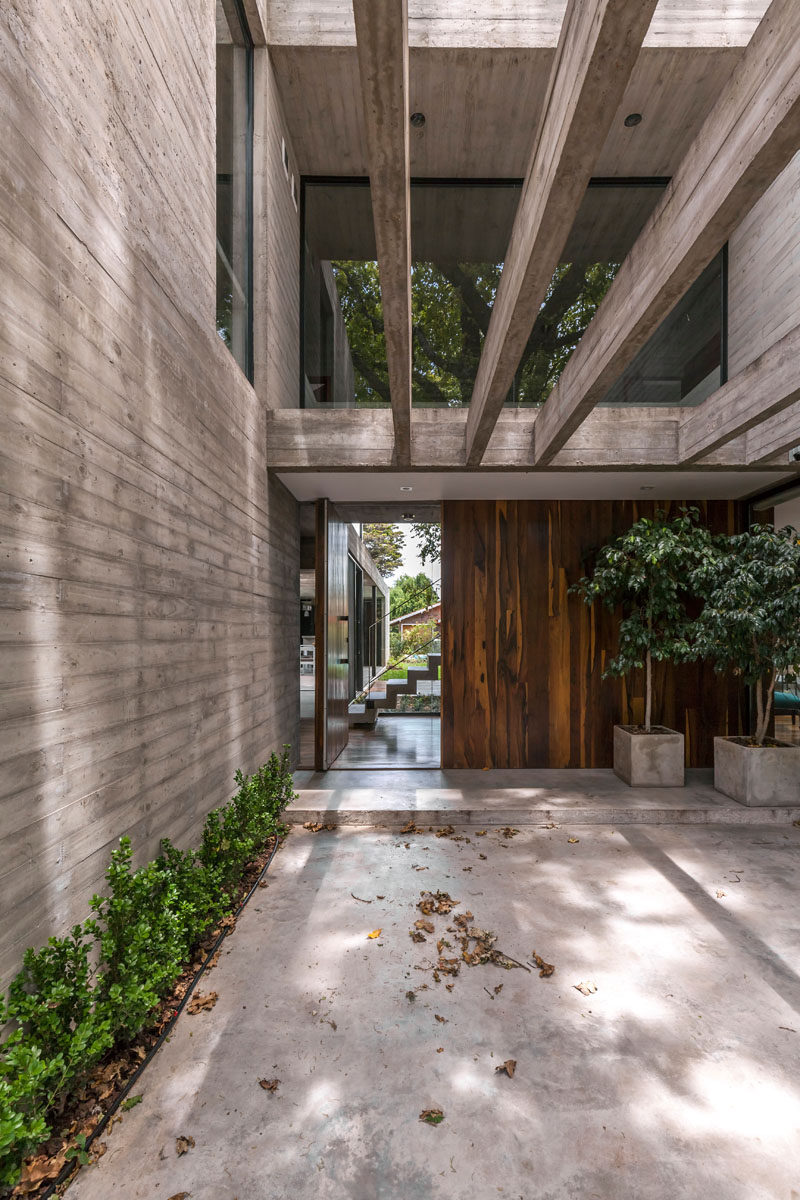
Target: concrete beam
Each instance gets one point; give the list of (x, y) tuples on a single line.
[(748, 138), (774, 438), (762, 390), (613, 439), (597, 50), (382, 46)]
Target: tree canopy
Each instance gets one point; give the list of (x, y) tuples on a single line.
[(428, 535), (451, 308), (411, 593), (385, 543)]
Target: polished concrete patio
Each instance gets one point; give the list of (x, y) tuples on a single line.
[(675, 1080), (389, 798)]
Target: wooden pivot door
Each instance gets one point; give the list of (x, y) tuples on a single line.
[(331, 637)]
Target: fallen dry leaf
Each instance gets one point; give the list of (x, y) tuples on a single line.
[(180, 1196), (586, 987), (545, 969), (417, 935), (376, 933), (719, 894), (498, 989), (269, 1085), (261, 883), (411, 996), (432, 1116), (480, 833), (98, 1150), (440, 1049), (509, 832), (182, 1144), (38, 1170), (509, 1066), (409, 828), (436, 902), (445, 831), (481, 856), (441, 1020), (428, 926), (572, 841), (201, 1002), (449, 986)]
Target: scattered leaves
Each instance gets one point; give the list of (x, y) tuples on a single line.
[(201, 1002), (441, 1020), (180, 1196), (508, 832), (262, 883), (376, 933), (481, 856), (498, 989), (586, 987), (719, 894), (417, 935), (432, 1116), (545, 969), (130, 1103), (427, 926), (436, 902), (269, 1085), (411, 996), (509, 1066), (316, 827), (480, 833), (182, 1144), (440, 1049), (410, 827), (573, 840), (445, 831), (38, 1170)]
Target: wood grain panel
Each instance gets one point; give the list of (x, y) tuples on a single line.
[(523, 660)]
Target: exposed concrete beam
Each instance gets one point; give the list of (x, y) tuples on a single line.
[(613, 439), (762, 390), (597, 50), (748, 138), (382, 45), (774, 438)]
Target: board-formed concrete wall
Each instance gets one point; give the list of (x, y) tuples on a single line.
[(149, 609), (764, 272)]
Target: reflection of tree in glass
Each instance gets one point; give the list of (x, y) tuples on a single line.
[(225, 315), (451, 307)]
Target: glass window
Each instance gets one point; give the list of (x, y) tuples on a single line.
[(234, 182)]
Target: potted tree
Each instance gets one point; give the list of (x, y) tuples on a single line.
[(750, 624), (646, 572)]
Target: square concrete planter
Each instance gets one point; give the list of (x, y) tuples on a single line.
[(758, 776), (648, 759)]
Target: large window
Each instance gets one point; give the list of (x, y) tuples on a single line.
[(234, 183), (459, 235)]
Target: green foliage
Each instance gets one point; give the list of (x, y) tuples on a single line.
[(410, 594), (385, 544), (750, 622), (647, 571), (429, 540), (451, 308), (64, 1015)]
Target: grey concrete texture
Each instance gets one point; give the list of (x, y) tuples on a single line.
[(757, 776), (654, 759), (387, 799), (676, 1080)]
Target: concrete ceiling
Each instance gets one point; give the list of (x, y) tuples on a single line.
[(482, 106), (427, 486)]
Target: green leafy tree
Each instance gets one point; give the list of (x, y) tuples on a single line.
[(411, 593), (750, 622), (428, 535), (385, 544), (646, 571), (451, 309)]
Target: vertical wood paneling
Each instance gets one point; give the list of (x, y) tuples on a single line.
[(149, 613), (523, 661)]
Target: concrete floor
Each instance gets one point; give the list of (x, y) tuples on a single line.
[(499, 797), (676, 1080)]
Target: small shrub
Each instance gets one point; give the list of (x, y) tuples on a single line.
[(64, 1015)]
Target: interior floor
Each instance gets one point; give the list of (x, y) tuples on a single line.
[(396, 741)]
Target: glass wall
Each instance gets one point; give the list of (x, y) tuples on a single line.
[(459, 236), (684, 361), (234, 182)]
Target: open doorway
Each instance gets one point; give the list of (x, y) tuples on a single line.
[(370, 605)]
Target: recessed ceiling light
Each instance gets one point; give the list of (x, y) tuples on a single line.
[(633, 119), (647, 487), (408, 516), (406, 487), (418, 120)]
